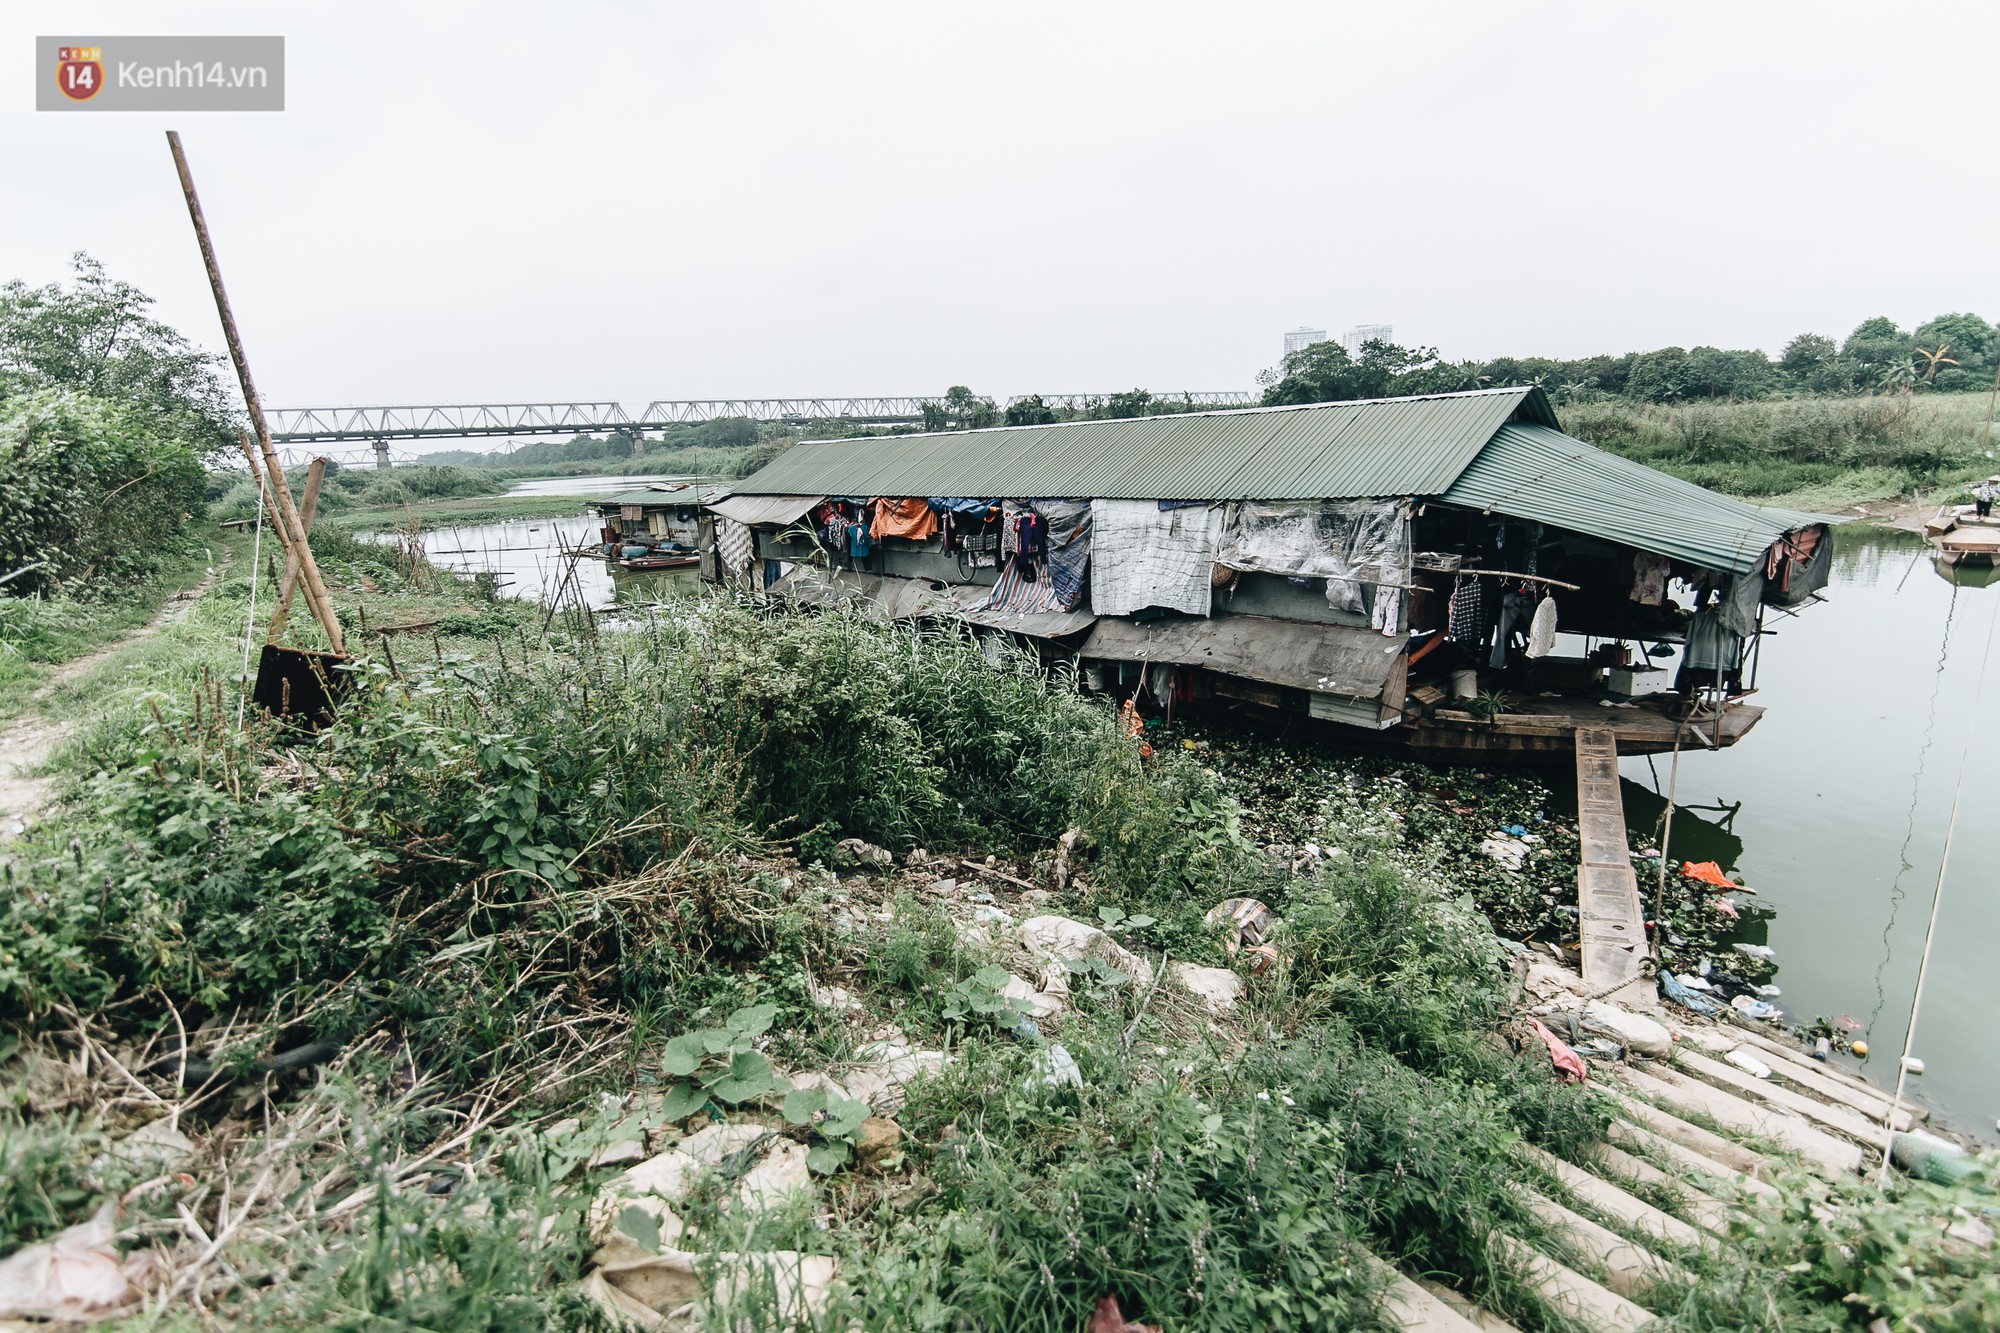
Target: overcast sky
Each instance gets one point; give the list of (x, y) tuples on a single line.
[(520, 202)]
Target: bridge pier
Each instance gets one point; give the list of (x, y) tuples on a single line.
[(381, 455)]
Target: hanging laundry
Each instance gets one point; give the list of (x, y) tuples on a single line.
[(1052, 579), (1513, 616), (1649, 578), (911, 518), (1465, 618), (1542, 629), (1387, 612)]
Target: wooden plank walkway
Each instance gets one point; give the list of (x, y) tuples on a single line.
[(1611, 922)]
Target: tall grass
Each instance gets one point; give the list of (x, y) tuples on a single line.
[(1842, 449)]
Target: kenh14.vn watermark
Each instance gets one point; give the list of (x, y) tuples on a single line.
[(159, 74)]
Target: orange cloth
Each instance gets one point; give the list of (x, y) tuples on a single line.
[(904, 518), (1708, 872)]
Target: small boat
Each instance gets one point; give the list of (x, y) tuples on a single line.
[(660, 560), (1962, 537)]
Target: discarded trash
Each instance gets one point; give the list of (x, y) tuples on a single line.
[(856, 852), (1750, 1008), (1514, 830), (1038, 1003), (1634, 1031), (1913, 1064), (1930, 1157), (1671, 987), (1060, 938), (1708, 872), (1600, 1048), (1218, 986), (1058, 1068), (1569, 1066), (1247, 921), (638, 1288), (1697, 983), (1822, 1049), (1769, 992), (1859, 1047), (1748, 1063), (75, 1275), (1757, 950)]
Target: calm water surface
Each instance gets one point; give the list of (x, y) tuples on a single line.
[(528, 556), (1840, 800)]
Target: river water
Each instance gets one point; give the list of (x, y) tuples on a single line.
[(528, 556), (1841, 798), (1834, 807)]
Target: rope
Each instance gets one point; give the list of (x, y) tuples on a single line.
[(1903, 863), (1666, 837), (1937, 899), (250, 625)]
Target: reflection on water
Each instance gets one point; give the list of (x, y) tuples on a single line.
[(528, 555), (1845, 789)]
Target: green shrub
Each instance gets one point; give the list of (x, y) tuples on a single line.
[(45, 1183)]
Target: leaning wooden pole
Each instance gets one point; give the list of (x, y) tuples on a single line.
[(308, 506), (274, 473)]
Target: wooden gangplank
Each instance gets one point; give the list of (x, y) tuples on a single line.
[(1612, 925)]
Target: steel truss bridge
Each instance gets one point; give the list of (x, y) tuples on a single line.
[(378, 427)]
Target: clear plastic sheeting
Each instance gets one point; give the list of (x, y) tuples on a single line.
[(1349, 544), (1147, 556)]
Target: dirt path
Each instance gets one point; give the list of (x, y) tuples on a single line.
[(26, 741)]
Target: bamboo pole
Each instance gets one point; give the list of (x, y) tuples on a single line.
[(289, 583), (274, 472)]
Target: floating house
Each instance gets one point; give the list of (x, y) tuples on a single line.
[(1450, 574), (657, 526)]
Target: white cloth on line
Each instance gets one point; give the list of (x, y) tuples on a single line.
[(1542, 629)]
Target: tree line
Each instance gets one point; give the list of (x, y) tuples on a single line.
[(1948, 354), (107, 417)]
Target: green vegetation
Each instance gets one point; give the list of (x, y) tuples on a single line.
[(725, 447), (1882, 413), (1954, 353), (521, 871), (348, 489), (106, 419), (542, 892)]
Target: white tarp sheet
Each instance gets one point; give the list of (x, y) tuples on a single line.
[(1147, 556), (1348, 544)]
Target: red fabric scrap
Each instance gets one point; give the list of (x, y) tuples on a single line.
[(1569, 1065)]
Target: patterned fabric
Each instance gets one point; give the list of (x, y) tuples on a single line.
[(1054, 582)]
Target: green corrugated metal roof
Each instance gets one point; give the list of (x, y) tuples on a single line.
[(694, 496), (1538, 473), (1490, 449), (1387, 446)]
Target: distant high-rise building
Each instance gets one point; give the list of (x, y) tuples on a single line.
[(1361, 333), (1303, 337)]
